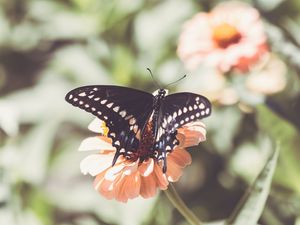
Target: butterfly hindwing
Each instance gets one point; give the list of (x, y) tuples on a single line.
[(124, 110), (176, 111)]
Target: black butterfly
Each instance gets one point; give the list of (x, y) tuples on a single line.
[(128, 113)]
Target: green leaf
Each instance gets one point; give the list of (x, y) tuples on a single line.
[(250, 207), (223, 222), (282, 131), (40, 206)]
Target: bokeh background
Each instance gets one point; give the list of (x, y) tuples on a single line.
[(50, 47)]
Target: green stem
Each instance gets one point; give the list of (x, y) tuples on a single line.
[(181, 206)]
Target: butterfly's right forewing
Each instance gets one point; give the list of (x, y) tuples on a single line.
[(124, 110)]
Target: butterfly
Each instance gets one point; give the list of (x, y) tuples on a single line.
[(141, 125)]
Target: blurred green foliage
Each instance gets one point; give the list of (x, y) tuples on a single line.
[(49, 47)]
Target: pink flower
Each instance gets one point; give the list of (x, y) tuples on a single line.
[(130, 179), (231, 36), (266, 79)]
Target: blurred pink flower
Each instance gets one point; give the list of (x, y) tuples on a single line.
[(267, 78), (129, 179), (231, 36)]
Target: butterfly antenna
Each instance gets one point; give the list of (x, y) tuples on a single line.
[(153, 78), (184, 76)]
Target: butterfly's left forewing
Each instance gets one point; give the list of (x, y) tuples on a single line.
[(124, 110), (176, 111)]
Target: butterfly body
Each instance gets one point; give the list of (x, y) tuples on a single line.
[(141, 125)]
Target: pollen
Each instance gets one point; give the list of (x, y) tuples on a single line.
[(104, 128), (225, 35)]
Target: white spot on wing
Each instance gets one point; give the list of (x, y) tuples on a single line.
[(96, 99), (109, 105), (207, 111), (185, 110), (103, 101), (201, 106), (70, 96), (82, 94), (122, 113), (174, 115), (116, 109)]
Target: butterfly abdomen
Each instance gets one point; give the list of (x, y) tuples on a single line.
[(145, 149)]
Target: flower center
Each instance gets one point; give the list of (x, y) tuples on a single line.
[(104, 128), (145, 150), (225, 35)]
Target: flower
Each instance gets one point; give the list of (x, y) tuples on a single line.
[(267, 78), (128, 179), (231, 36)]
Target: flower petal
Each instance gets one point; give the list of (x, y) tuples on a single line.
[(98, 180), (194, 133), (181, 157), (132, 185), (181, 138), (107, 188), (174, 171), (146, 168), (160, 177), (96, 143), (95, 163), (119, 190), (148, 186), (96, 126), (131, 167), (113, 172)]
